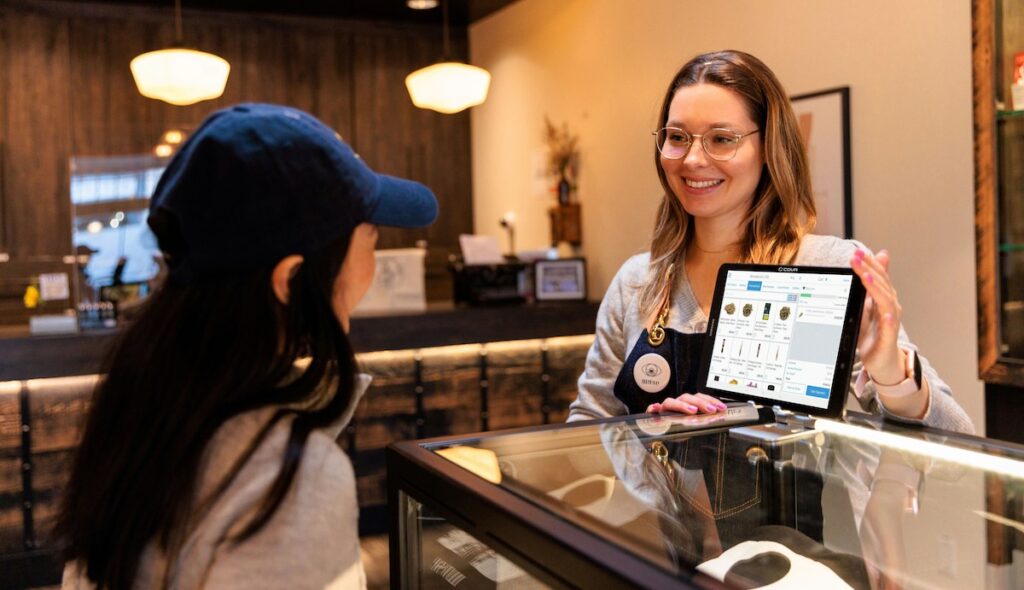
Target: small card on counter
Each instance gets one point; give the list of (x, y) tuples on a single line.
[(54, 286), (480, 250)]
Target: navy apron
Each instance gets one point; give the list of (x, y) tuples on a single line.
[(734, 484), (683, 354)]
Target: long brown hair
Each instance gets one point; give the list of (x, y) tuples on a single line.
[(783, 208)]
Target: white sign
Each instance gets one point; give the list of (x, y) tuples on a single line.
[(480, 249), (54, 286)]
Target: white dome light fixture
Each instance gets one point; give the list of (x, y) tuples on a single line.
[(421, 4), (449, 86), (178, 75)]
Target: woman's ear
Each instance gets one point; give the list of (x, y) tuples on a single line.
[(283, 273)]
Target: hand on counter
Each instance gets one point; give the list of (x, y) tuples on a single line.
[(688, 403)]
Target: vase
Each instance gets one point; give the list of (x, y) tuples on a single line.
[(563, 192)]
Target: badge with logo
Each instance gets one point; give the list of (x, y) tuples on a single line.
[(747, 309), (651, 372), (784, 314), (730, 308)]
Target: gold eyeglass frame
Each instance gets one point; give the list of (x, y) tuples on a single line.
[(693, 139)]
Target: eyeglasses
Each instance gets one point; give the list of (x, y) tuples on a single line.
[(719, 144)]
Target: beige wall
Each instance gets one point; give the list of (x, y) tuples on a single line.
[(601, 66)]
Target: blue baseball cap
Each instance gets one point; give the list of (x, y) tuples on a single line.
[(258, 182)]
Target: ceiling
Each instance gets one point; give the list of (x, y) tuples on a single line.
[(462, 12)]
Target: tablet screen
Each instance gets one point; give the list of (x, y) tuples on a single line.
[(779, 334)]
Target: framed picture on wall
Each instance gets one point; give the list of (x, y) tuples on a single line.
[(824, 119), (560, 280)]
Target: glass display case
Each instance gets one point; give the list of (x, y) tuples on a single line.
[(708, 502), (998, 47)]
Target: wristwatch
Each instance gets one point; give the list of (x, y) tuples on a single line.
[(913, 382)]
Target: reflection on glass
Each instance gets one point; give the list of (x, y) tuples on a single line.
[(437, 554), (482, 462), (840, 506), (116, 253)]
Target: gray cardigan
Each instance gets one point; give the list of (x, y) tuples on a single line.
[(311, 541), (619, 324)]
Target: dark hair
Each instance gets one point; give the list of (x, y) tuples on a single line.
[(783, 210), (197, 355)]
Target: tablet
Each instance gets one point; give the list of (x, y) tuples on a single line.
[(783, 335)]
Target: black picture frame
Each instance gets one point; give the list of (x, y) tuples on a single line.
[(564, 279), (824, 119)]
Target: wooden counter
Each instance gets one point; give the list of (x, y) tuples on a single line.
[(26, 357)]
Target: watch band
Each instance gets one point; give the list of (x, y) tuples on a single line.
[(910, 385)]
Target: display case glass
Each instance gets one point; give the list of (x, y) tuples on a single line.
[(701, 501)]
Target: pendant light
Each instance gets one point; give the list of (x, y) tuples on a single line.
[(178, 75), (449, 86)]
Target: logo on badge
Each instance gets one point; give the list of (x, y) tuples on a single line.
[(784, 313), (651, 372), (747, 310)]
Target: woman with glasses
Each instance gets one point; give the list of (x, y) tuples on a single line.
[(737, 188)]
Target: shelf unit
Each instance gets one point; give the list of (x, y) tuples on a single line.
[(999, 191)]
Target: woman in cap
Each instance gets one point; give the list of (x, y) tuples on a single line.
[(737, 189), (210, 458)]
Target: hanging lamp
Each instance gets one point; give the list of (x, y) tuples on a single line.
[(179, 75), (449, 86)]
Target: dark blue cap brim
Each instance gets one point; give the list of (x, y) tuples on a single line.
[(401, 203)]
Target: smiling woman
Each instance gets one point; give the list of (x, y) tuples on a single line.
[(737, 188)]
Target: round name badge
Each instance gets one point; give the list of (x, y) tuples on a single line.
[(651, 372)]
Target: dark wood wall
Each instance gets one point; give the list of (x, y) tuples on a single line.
[(66, 90)]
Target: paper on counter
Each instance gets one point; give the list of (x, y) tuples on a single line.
[(480, 249)]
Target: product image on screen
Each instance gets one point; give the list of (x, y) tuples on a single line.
[(787, 349)]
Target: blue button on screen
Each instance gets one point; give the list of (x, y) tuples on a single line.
[(753, 285), (817, 391)]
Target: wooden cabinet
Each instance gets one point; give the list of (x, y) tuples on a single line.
[(998, 37)]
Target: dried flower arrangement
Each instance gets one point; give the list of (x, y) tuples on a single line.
[(563, 163)]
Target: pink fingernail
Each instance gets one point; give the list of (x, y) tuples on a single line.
[(859, 254), (869, 278), (691, 408), (723, 406), (887, 317)]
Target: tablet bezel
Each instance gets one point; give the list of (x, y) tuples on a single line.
[(847, 342)]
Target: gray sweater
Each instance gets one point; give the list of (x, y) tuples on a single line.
[(311, 541), (620, 323)]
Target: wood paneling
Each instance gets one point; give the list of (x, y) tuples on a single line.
[(451, 399), (397, 138), (36, 135), (66, 90)]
